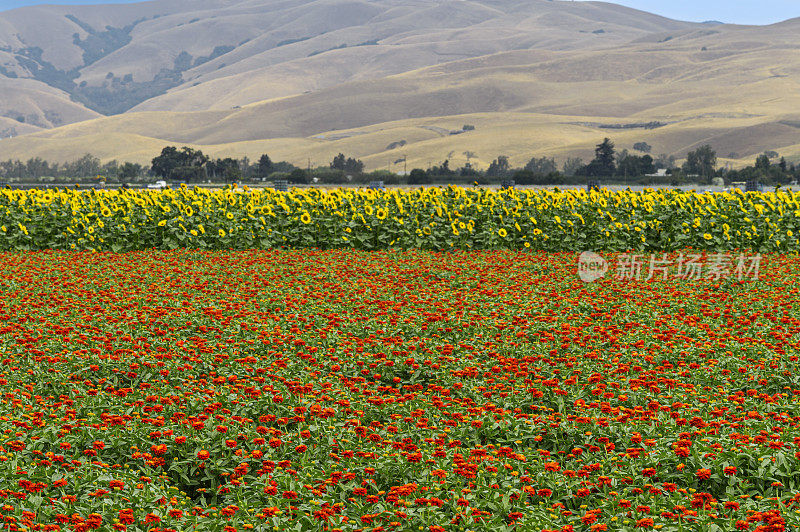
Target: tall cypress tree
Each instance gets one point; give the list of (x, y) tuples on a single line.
[(604, 158)]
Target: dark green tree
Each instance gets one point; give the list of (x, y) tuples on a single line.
[(635, 166), (339, 162), (604, 158), (443, 170), (186, 163), (571, 166), (763, 163), (263, 167), (527, 177), (38, 167), (418, 176), (298, 176), (347, 164), (499, 167), (228, 168), (86, 166), (164, 164), (354, 166), (541, 166), (129, 171), (702, 162)]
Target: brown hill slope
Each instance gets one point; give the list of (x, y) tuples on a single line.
[(111, 58), (530, 76), (523, 103)]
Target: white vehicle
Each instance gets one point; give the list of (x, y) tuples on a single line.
[(157, 185)]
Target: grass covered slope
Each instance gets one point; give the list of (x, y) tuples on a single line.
[(112, 58), (244, 78), (522, 103), (349, 391)]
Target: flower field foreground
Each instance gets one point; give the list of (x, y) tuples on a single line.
[(433, 218), (386, 391)]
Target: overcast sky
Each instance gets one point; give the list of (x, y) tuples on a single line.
[(733, 11)]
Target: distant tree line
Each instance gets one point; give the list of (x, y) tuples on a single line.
[(187, 165), (86, 168), (700, 166)]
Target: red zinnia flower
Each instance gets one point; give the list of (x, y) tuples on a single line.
[(703, 474)]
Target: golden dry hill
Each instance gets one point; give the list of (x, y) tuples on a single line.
[(387, 79)]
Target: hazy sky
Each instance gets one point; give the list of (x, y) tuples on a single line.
[(11, 4), (731, 11), (734, 11)]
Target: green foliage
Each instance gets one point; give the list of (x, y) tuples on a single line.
[(303, 391), (99, 44), (701, 161), (129, 171), (428, 218), (185, 164), (499, 167), (634, 165), (541, 166), (263, 167), (418, 176), (298, 176), (347, 164), (603, 163)]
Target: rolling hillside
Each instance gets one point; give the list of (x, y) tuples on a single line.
[(384, 79)]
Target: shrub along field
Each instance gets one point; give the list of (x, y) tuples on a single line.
[(433, 218), (394, 390)]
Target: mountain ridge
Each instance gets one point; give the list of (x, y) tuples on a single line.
[(287, 75)]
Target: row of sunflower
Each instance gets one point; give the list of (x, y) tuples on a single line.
[(429, 218)]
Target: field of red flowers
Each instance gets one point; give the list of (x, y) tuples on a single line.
[(387, 391)]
